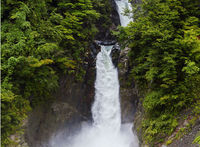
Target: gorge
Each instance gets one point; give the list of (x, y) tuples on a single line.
[(100, 73), (106, 129)]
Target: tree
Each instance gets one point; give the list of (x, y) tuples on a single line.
[(164, 61), (40, 41)]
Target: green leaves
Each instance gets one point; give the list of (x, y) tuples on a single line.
[(164, 59), (190, 68), (152, 101), (160, 127), (12, 113), (46, 50), (41, 40), (41, 62), (67, 63), (7, 95), (197, 140)]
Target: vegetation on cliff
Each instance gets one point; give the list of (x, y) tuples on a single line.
[(164, 61), (42, 39)]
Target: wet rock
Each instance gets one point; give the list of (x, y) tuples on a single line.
[(71, 106), (106, 43), (188, 138), (95, 48), (128, 93), (114, 15), (128, 104), (47, 120), (115, 53), (18, 138)]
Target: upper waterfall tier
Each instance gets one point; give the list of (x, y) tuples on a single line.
[(121, 6)]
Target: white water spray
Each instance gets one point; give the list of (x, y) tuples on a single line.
[(106, 108), (106, 129), (121, 6)]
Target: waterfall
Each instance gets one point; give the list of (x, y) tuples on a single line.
[(121, 6), (106, 129), (106, 107)]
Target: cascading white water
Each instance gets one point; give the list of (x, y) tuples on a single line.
[(106, 107), (106, 129), (121, 6)]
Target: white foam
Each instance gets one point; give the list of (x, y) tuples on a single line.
[(121, 6)]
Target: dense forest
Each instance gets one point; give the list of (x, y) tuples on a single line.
[(165, 62), (42, 39)]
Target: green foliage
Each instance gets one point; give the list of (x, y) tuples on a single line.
[(40, 41), (168, 142), (196, 109), (104, 8), (190, 68), (197, 140), (155, 128), (13, 108), (164, 60)]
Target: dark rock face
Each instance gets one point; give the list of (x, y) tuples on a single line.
[(86, 99), (71, 106), (128, 93), (106, 42), (45, 121), (115, 16), (95, 49), (115, 54)]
